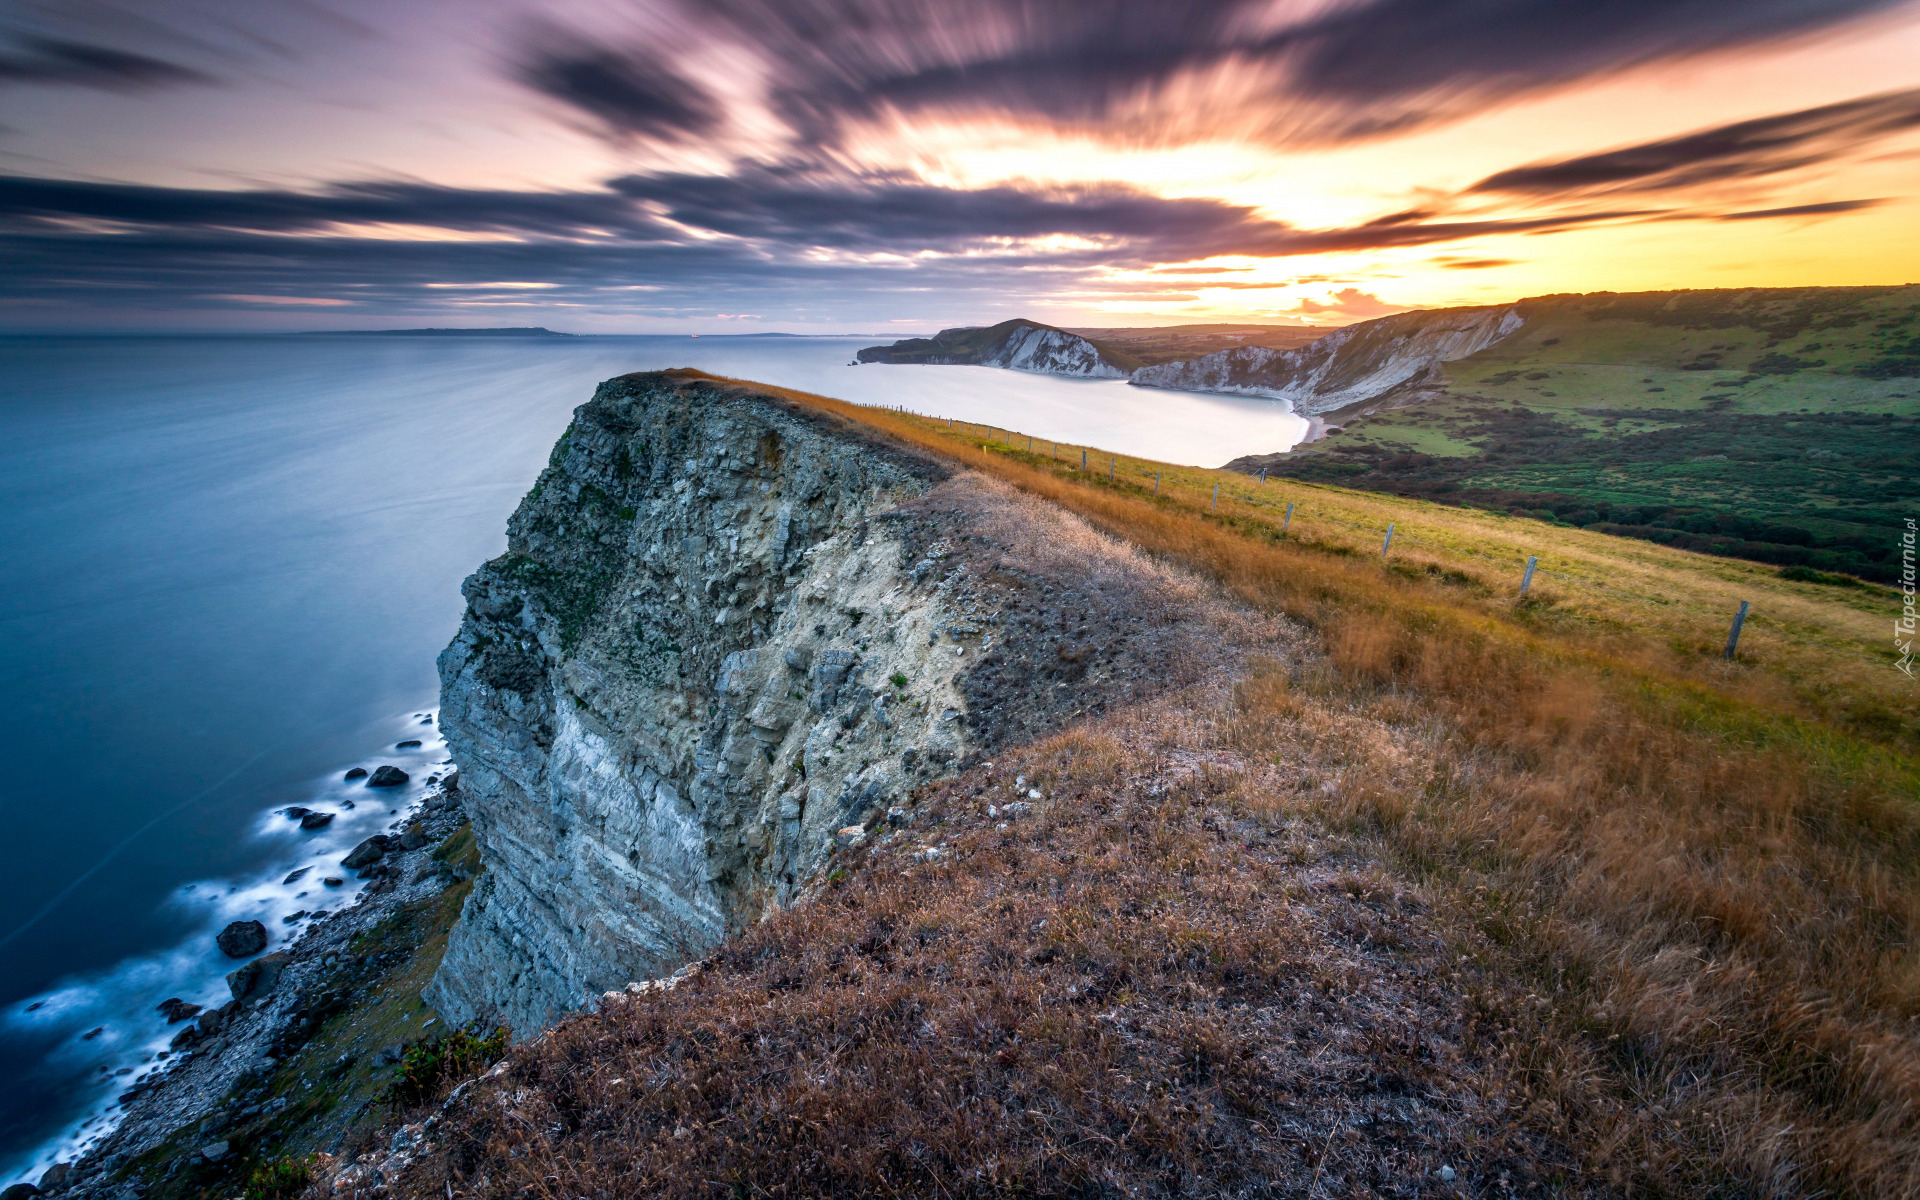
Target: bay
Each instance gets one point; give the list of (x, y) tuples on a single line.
[(229, 564)]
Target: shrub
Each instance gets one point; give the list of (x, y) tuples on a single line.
[(429, 1064), (281, 1179)]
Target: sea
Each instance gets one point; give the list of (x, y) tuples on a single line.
[(228, 564)]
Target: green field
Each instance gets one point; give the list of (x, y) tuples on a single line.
[(1776, 425)]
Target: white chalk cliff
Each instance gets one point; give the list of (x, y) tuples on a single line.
[(727, 629), (1017, 345), (1349, 366)]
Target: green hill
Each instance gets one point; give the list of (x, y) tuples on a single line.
[(1772, 424)]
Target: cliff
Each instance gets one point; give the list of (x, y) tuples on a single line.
[(728, 628), (1017, 345), (1375, 362)]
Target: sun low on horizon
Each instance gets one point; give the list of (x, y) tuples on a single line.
[(861, 165)]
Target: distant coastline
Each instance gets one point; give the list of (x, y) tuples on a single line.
[(505, 331)]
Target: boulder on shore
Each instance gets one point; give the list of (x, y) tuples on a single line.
[(366, 853), (20, 1191), (388, 776), (357, 773), (242, 938), (316, 820), (257, 977)]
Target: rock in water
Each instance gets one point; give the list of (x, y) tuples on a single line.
[(388, 777), (20, 1191), (316, 820), (295, 812), (295, 874), (409, 744), (366, 853), (242, 938), (177, 1010), (357, 773), (56, 1177)]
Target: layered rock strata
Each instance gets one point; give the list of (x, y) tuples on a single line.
[(729, 627), (1017, 345), (1351, 367)]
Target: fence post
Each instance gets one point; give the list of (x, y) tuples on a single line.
[(1083, 460), (1263, 474), (1216, 497), (1388, 543), (1110, 463), (1526, 581), (1288, 521), (1733, 636), (1156, 483)]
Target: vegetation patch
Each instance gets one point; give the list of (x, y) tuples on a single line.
[(428, 1065)]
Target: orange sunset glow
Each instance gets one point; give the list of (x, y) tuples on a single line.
[(927, 163)]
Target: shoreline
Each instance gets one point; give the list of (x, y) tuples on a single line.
[(173, 1066)]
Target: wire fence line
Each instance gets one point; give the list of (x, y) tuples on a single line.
[(1391, 537)]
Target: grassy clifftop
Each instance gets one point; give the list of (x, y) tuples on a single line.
[(1456, 892), (1776, 425)]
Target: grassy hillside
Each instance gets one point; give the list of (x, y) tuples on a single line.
[(1177, 343), (1540, 889), (1775, 425)]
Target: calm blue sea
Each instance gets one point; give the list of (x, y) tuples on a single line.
[(228, 564)]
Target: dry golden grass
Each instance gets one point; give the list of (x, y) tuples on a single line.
[(1689, 890), (1719, 863), (1146, 986)]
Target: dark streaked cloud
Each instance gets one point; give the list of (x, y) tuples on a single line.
[(1405, 48), (546, 214), (1113, 225), (1745, 149), (1125, 227), (1362, 68), (642, 244), (44, 60), (623, 95), (1828, 209)]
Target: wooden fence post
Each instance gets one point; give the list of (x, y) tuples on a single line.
[(1110, 463), (1156, 483), (1288, 521), (1526, 581), (1083, 460), (1216, 497), (1388, 543), (1733, 636), (1263, 474)]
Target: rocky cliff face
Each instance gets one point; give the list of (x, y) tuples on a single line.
[(727, 628), (1349, 368), (1017, 345)]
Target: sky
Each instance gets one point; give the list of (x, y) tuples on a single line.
[(826, 166)]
